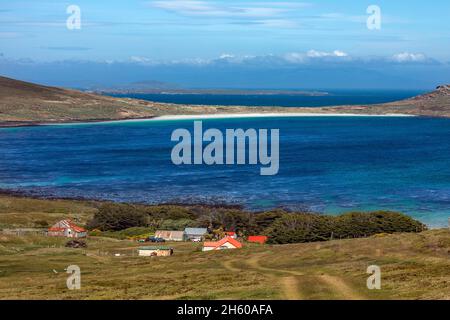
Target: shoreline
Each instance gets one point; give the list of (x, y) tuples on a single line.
[(25, 195), (18, 124), (273, 115)]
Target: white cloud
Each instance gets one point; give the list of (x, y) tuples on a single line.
[(226, 56), (140, 59), (409, 57), (321, 54)]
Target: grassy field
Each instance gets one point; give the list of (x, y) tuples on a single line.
[(413, 266)]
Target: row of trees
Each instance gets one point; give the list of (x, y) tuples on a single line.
[(281, 226)]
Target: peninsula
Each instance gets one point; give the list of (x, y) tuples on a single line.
[(23, 103)]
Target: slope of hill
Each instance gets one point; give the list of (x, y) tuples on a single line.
[(23, 103), (26, 102)]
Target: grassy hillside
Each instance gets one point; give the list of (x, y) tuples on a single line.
[(21, 212), (413, 266), (22, 101)]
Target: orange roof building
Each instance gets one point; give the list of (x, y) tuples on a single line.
[(225, 243), (257, 239), (66, 228)]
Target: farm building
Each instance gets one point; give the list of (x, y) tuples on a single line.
[(225, 243), (257, 239), (195, 234), (170, 235), (66, 228), (158, 251)]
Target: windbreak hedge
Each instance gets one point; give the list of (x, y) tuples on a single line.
[(295, 227)]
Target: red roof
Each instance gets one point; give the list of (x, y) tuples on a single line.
[(67, 224), (257, 239), (230, 233), (217, 244), (77, 228)]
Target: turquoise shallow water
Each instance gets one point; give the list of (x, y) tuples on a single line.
[(327, 164)]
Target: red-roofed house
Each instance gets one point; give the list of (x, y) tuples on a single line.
[(231, 234), (225, 243), (66, 228), (257, 239)]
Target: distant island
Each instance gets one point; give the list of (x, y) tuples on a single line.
[(23, 103), (159, 87)]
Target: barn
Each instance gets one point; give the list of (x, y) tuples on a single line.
[(170, 235)]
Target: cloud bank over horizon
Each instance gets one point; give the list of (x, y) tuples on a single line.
[(312, 69)]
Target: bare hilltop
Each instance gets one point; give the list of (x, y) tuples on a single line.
[(24, 103)]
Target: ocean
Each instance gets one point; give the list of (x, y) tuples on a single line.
[(327, 165), (334, 98)]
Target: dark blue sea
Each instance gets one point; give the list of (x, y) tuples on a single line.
[(334, 97), (327, 164)]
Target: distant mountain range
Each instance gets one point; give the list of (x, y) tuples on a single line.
[(24, 103)]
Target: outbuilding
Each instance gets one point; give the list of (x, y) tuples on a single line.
[(195, 234), (157, 251)]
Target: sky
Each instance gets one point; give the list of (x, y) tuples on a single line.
[(208, 43)]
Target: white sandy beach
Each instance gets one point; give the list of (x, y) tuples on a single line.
[(271, 115), (230, 116)]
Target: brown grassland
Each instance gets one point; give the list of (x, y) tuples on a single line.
[(413, 266)]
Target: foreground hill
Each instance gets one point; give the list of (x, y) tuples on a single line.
[(413, 265), (23, 103)]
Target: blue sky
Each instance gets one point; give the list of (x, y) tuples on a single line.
[(196, 32)]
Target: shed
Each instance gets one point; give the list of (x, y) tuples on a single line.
[(155, 251), (257, 239)]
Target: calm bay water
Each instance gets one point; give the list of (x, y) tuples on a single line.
[(334, 98), (328, 164)]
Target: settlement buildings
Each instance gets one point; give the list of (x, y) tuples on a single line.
[(66, 228)]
